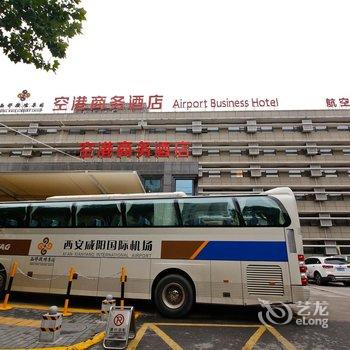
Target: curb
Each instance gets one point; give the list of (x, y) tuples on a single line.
[(44, 308), (78, 346)]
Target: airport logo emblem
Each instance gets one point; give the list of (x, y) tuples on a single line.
[(23, 95), (45, 245)]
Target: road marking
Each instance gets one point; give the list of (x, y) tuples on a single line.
[(281, 338), (140, 333), (172, 344), (254, 338), (79, 346), (19, 322), (97, 338), (327, 291), (208, 325)]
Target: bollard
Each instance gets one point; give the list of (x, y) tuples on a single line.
[(120, 326), (105, 307), (123, 279), (5, 305), (71, 273), (51, 325)]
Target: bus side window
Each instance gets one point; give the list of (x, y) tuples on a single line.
[(153, 212), (208, 212), (95, 214), (261, 211), (50, 215), (139, 213), (165, 213), (13, 215)]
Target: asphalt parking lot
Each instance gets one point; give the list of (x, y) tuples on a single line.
[(208, 326)]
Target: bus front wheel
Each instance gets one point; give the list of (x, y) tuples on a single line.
[(174, 296)]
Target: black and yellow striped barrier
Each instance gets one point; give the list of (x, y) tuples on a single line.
[(71, 275), (5, 305), (123, 279)]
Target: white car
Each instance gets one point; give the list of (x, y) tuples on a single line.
[(323, 269)]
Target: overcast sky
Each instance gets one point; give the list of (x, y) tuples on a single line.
[(295, 50)]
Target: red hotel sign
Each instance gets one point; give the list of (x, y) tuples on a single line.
[(108, 149), (340, 102), (81, 103)]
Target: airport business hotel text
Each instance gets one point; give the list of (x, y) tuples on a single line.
[(225, 103)]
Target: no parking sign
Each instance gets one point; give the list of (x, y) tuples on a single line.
[(120, 327)]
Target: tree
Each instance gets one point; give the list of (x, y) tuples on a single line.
[(37, 31)]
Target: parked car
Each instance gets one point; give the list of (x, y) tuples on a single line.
[(323, 269)]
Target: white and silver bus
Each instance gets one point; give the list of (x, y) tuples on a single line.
[(177, 249)]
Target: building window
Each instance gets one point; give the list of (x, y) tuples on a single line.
[(294, 173), (269, 151), (237, 173), (326, 151), (342, 127), (152, 184), (265, 128), (272, 173), (321, 127), (104, 131), (185, 185), (235, 129), (288, 128), (76, 131), (157, 130), (291, 151), (330, 173), (213, 151)]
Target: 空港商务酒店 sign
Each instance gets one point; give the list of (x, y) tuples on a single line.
[(159, 149)]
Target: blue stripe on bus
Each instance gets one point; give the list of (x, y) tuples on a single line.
[(244, 251)]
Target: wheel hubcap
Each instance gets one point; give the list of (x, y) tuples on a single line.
[(173, 295)]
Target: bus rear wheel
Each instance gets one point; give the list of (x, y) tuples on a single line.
[(174, 296)]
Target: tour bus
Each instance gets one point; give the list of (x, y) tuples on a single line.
[(177, 249)]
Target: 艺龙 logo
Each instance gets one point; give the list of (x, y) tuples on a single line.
[(23, 95), (45, 245), (275, 314)]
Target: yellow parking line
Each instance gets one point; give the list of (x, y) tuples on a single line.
[(208, 325), (254, 338), (19, 322), (79, 346), (140, 333), (281, 338), (172, 344)]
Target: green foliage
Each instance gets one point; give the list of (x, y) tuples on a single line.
[(37, 31)]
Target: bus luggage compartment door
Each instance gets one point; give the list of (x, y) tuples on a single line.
[(268, 281)]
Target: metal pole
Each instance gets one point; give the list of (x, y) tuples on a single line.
[(4, 305), (69, 287)]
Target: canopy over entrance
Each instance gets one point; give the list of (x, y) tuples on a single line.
[(29, 186)]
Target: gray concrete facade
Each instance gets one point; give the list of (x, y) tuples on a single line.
[(230, 152)]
